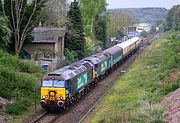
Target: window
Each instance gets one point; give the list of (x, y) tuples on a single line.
[(53, 83), (59, 84), (47, 83)]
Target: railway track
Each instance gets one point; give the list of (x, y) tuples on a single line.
[(79, 111), (45, 117)]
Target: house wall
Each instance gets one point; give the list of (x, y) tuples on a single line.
[(59, 47), (33, 49)]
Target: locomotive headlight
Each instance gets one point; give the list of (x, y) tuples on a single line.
[(61, 97), (67, 92), (43, 97)]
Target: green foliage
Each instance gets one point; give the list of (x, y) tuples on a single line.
[(12, 80), (74, 38), (100, 28), (70, 56), (1, 7), (151, 113), (5, 33), (135, 96), (111, 29), (89, 10), (167, 88), (15, 108), (173, 18), (89, 46), (144, 34), (45, 17), (17, 82), (14, 63)]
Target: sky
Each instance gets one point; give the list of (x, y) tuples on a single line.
[(141, 3)]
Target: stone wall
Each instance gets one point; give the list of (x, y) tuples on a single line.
[(44, 49)]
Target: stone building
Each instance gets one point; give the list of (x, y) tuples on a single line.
[(47, 46)]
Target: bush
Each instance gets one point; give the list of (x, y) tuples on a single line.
[(144, 34), (15, 108), (17, 82), (170, 87), (70, 56), (14, 62), (12, 80)]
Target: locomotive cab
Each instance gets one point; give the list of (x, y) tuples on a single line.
[(53, 93)]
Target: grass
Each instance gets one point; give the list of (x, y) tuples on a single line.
[(135, 96)]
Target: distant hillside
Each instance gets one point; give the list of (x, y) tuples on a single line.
[(150, 15)]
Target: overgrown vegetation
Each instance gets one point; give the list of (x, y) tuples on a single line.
[(18, 79), (173, 18), (5, 32), (74, 38), (144, 34), (135, 96)]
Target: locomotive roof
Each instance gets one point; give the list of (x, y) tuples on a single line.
[(101, 56), (69, 71), (92, 59), (128, 42), (113, 50)]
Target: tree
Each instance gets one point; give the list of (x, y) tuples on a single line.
[(111, 29), (173, 18), (123, 21), (177, 19), (22, 16), (1, 7), (5, 33), (54, 13), (74, 38), (100, 28), (89, 9)]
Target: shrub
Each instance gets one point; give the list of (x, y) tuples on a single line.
[(144, 34), (15, 108), (14, 62), (167, 88), (70, 56)]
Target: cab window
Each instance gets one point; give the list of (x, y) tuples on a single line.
[(47, 83), (60, 84)]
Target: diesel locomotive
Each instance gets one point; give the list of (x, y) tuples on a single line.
[(64, 86)]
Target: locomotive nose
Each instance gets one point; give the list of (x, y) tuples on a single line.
[(52, 94)]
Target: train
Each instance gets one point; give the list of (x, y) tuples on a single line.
[(63, 87)]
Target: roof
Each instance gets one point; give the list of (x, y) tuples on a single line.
[(47, 35), (113, 50), (128, 42), (44, 41), (101, 56), (69, 71), (141, 25), (92, 59)]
